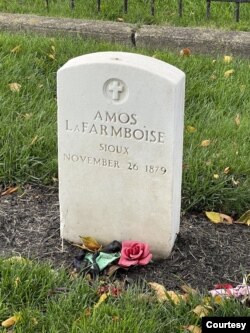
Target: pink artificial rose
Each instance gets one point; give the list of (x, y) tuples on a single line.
[(134, 253)]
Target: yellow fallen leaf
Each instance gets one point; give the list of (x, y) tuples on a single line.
[(17, 282), (192, 328), (216, 176), (15, 87), (160, 291), (120, 19), (229, 73), (17, 259), (16, 49), (202, 310), (174, 297), (34, 140), (11, 321), (190, 129), (205, 143), (226, 170), (227, 59), (219, 217), (102, 299), (245, 218), (90, 244), (213, 217), (52, 56), (237, 119)]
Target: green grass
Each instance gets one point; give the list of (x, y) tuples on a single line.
[(47, 300), (166, 12), (28, 146)]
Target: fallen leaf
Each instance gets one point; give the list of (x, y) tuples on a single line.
[(205, 143), (160, 291), (192, 328), (216, 176), (34, 140), (17, 282), (90, 244), (186, 52), (16, 49), (229, 73), (52, 56), (174, 297), (15, 87), (235, 182), (227, 59), (237, 119), (112, 269), (116, 318), (226, 170), (202, 311), (244, 219), (187, 289), (102, 299), (87, 312), (190, 129), (120, 19), (17, 259), (9, 190), (27, 116), (11, 321), (246, 279), (219, 217)]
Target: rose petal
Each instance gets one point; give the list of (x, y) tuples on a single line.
[(127, 263), (146, 260)]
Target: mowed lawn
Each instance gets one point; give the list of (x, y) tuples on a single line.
[(216, 162)]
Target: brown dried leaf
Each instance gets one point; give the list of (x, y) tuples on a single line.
[(227, 170), (112, 269), (186, 52), (9, 190), (90, 244)]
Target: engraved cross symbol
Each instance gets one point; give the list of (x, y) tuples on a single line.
[(115, 87)]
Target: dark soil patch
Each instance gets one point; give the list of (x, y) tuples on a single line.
[(204, 253)]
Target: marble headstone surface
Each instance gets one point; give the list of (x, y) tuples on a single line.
[(120, 142)]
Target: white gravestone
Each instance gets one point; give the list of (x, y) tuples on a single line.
[(120, 128)]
